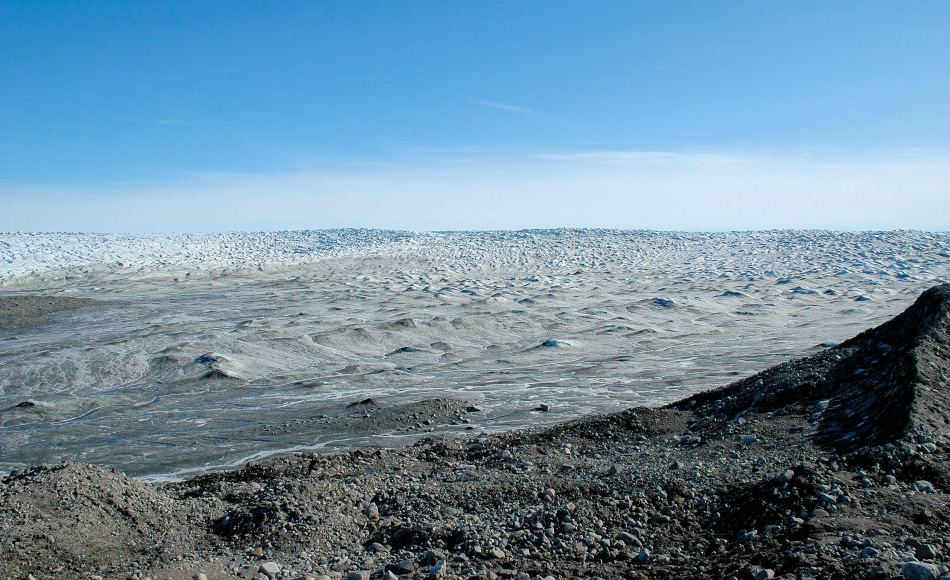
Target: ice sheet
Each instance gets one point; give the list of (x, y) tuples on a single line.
[(211, 348)]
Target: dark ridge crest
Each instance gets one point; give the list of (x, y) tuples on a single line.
[(884, 384)]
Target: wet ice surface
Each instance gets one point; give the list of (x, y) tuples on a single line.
[(209, 350)]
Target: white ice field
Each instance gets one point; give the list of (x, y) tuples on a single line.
[(210, 349)]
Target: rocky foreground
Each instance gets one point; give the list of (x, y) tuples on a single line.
[(832, 466)]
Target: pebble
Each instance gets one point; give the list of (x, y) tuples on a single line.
[(402, 567), (433, 557), (921, 571), (628, 538), (926, 552), (765, 575), (358, 575), (269, 569), (924, 486), (372, 511), (440, 570)]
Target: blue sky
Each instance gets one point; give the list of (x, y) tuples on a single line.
[(170, 116)]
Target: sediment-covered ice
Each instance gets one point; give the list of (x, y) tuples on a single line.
[(209, 348)]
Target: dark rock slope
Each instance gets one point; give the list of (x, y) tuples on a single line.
[(885, 384), (832, 466)]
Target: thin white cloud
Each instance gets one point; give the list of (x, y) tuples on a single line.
[(503, 106), (626, 157), (680, 192)]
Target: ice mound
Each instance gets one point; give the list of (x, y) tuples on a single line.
[(220, 365)]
